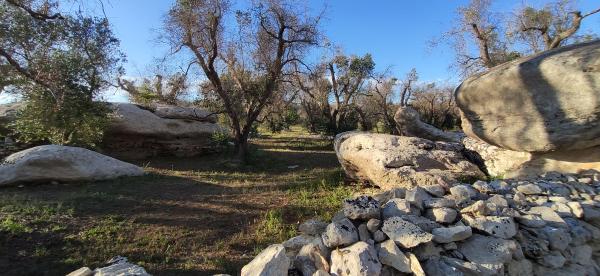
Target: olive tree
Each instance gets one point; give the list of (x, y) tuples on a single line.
[(334, 87), (548, 27), (244, 55), (58, 63)]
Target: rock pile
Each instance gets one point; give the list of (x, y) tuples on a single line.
[(548, 225), (389, 161)]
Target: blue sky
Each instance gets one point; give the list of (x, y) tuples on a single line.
[(395, 32)]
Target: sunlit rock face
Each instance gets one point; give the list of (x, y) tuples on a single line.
[(544, 103), (389, 161)]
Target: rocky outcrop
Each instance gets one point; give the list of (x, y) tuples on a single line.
[(501, 162), (391, 161), (137, 132), (547, 225), (409, 123), (544, 103), (62, 164)]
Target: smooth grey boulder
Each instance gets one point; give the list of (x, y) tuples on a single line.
[(389, 161), (271, 261), (360, 259), (541, 103), (64, 164)]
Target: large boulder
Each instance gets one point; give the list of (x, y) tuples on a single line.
[(61, 163), (138, 132), (543, 103), (409, 123), (391, 161), (501, 162)]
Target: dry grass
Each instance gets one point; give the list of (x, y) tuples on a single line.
[(194, 216)]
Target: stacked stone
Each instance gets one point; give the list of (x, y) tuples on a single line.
[(549, 225)]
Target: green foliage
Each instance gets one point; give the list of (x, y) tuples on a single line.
[(278, 122), (77, 122), (10, 225), (59, 66), (220, 138)]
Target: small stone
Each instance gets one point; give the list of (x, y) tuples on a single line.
[(438, 203), (520, 199), (424, 223), (581, 254), (553, 260), (487, 250), (340, 233), (357, 259), (519, 268), (483, 187), (271, 261), (576, 209), (379, 236), (560, 199), (415, 196), (500, 186), (532, 221), (373, 225), (501, 227), (427, 250), (435, 190), (559, 238), (479, 208), (498, 200), (530, 189), (549, 215), (405, 233), (415, 265), (390, 254), (462, 193), (451, 234), (296, 243), (363, 207), (363, 232), (312, 227), (442, 215), (398, 207), (450, 246)]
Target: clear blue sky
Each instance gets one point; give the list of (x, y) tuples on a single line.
[(395, 32)]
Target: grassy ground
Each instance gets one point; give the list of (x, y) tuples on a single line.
[(193, 216)]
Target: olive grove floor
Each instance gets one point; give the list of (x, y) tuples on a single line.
[(188, 216)]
